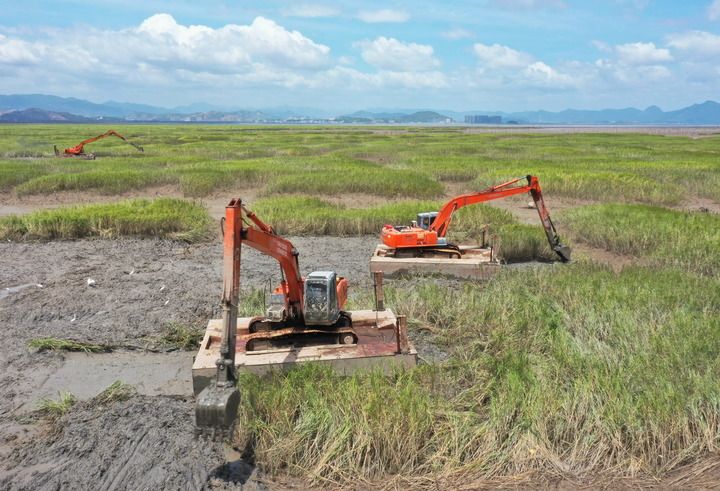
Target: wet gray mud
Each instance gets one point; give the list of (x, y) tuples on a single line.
[(136, 288), (142, 443)]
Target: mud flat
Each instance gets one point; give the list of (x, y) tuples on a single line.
[(138, 288)]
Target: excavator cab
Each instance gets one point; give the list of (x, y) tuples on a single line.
[(424, 220), (321, 299)]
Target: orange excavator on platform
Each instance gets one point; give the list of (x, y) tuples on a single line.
[(79, 149), (426, 237), (302, 312)]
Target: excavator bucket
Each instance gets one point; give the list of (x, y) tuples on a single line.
[(216, 409), (563, 252), (136, 146), (217, 405)]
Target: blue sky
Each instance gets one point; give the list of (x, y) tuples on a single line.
[(463, 55)]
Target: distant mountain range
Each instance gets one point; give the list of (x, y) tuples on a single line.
[(40, 108)]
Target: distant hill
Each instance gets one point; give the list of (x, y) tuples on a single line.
[(706, 113), (34, 115), (60, 104), (29, 108)]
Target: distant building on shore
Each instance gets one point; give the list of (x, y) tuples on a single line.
[(483, 119)]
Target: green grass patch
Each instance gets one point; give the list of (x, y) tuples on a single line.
[(163, 217), (55, 344), (182, 337), (685, 240), (115, 392), (53, 409), (333, 161), (104, 181), (563, 370), (374, 181)]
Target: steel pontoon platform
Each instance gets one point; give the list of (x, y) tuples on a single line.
[(476, 262), (382, 344)]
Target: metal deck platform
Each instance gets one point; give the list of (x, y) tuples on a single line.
[(476, 263), (382, 343)]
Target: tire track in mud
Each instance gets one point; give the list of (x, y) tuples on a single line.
[(141, 443)]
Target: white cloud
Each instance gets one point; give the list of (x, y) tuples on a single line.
[(17, 52), (642, 54), (383, 15), (505, 66), (162, 56), (601, 46), (527, 4), (540, 74), (458, 33), (391, 54), (357, 80), (616, 73), (498, 56), (713, 11), (695, 44), (160, 39), (311, 11)]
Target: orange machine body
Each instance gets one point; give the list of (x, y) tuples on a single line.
[(79, 149), (400, 237), (432, 234)]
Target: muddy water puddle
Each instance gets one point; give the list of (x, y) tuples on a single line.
[(85, 375)]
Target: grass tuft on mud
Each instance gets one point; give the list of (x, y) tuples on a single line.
[(562, 370), (181, 336), (163, 217), (53, 409), (116, 392), (55, 344)]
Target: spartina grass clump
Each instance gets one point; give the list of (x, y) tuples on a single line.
[(181, 336), (573, 370), (54, 408), (163, 217), (688, 241), (115, 392), (56, 344)]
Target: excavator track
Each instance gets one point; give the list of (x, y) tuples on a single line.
[(296, 337), (447, 251), (266, 334)]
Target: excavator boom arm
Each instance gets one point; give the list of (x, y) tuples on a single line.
[(510, 188), (285, 254), (263, 238), (79, 148), (444, 217)]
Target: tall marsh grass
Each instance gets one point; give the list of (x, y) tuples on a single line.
[(410, 162), (572, 370), (689, 241), (163, 217)]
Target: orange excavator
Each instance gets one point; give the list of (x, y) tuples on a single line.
[(79, 149), (302, 312), (426, 237)]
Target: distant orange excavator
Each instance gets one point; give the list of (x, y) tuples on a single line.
[(426, 236), (79, 149)]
